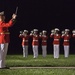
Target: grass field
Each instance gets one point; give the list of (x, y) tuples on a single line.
[(38, 72), (19, 61)]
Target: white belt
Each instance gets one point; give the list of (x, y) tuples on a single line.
[(73, 34), (35, 40), (44, 41), (5, 33), (66, 40), (25, 40), (56, 39)]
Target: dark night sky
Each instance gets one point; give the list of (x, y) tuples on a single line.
[(41, 14)]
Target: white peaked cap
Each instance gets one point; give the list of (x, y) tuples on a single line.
[(44, 31), (26, 31), (67, 30), (57, 29), (73, 31), (2, 13), (35, 30)]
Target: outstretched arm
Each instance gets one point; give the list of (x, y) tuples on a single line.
[(11, 22)]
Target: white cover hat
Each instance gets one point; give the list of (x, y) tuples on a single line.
[(26, 31), (44, 31), (2, 13), (35, 30), (67, 30), (56, 29)]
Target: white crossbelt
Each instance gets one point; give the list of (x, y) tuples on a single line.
[(44, 41), (25, 40), (56, 39), (35, 40), (73, 34), (4, 33), (66, 40)]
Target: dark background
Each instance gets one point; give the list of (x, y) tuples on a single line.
[(40, 14)]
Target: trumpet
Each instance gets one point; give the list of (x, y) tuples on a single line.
[(40, 34), (52, 32), (63, 32), (32, 32), (21, 32), (73, 32)]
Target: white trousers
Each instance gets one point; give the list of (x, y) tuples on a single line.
[(66, 51), (35, 51), (3, 53), (25, 51), (44, 51), (56, 51)]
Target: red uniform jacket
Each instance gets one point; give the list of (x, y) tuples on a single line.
[(56, 38), (44, 40), (4, 33), (35, 40), (66, 39), (24, 40)]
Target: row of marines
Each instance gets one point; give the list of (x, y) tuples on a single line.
[(43, 36)]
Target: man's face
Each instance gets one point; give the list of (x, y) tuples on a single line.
[(44, 33), (2, 18), (56, 32), (35, 32), (24, 33)]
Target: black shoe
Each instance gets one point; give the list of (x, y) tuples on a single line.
[(5, 68)]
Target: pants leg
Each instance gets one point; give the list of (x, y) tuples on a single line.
[(1, 53), (25, 51), (35, 51), (66, 51), (56, 51), (5, 53), (44, 51), (6, 48)]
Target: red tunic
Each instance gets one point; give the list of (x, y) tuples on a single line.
[(24, 40), (4, 33), (44, 40), (66, 39), (35, 40), (56, 39)]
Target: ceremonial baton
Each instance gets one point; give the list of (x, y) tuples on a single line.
[(16, 10)]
